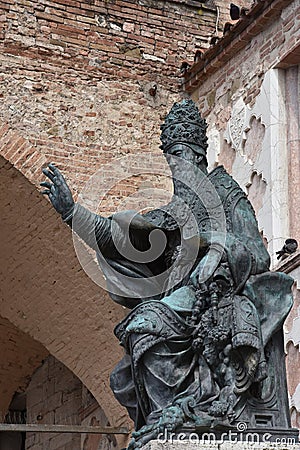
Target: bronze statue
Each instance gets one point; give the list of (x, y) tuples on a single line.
[(203, 339)]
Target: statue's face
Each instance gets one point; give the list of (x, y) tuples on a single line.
[(184, 152), (181, 151)]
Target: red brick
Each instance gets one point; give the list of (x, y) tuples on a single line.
[(49, 17), (72, 3)]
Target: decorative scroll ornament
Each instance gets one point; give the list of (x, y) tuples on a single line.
[(236, 124)]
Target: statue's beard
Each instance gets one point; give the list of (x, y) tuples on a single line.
[(186, 187), (180, 187)]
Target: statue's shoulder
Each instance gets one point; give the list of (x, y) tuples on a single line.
[(227, 188), (220, 175), (234, 199)]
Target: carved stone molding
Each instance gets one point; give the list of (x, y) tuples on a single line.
[(256, 190), (236, 125), (294, 335), (254, 136)]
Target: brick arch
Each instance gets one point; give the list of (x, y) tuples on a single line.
[(45, 292)]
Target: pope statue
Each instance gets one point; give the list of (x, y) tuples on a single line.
[(203, 338)]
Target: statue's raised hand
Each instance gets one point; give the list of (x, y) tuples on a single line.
[(58, 191)]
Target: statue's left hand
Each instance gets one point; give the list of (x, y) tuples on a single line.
[(58, 191)]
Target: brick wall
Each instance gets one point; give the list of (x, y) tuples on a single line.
[(20, 356), (79, 127), (56, 396), (91, 414), (83, 82), (118, 39), (53, 397)]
